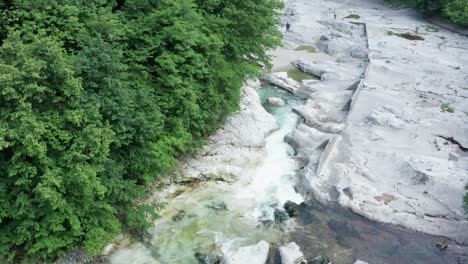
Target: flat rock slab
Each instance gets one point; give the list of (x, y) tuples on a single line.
[(398, 154)]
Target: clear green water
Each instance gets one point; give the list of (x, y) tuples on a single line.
[(280, 113), (216, 218), (208, 220)]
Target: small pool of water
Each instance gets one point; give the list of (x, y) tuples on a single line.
[(332, 233)]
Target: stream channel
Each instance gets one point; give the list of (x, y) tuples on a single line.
[(206, 221)]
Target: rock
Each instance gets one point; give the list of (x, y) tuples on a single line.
[(254, 83), (442, 245), (291, 208), (291, 254), (108, 249), (205, 259), (275, 101), (282, 80), (280, 216), (119, 238), (274, 256), (217, 206), (390, 152), (308, 143), (137, 253), (254, 254), (343, 228), (386, 116), (360, 262), (236, 146)]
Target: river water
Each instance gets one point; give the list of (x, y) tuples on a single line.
[(205, 221), (208, 220)]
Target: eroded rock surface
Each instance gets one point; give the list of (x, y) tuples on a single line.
[(237, 146), (291, 254), (254, 254), (396, 141)]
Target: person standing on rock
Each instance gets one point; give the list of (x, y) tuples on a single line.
[(288, 26)]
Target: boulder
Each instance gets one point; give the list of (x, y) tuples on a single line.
[(206, 259), (360, 262), (253, 254), (291, 254), (282, 80), (280, 216), (108, 249), (275, 101), (291, 208)]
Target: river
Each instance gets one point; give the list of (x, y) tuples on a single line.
[(206, 221)]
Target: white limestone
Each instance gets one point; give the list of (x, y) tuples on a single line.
[(275, 101), (236, 147), (254, 254), (397, 152), (291, 254)]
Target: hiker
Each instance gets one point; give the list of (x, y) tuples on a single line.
[(287, 27), (334, 15)]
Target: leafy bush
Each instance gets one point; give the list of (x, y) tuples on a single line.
[(445, 107), (99, 98), (457, 11)]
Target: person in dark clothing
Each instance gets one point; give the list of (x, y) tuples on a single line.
[(287, 27)]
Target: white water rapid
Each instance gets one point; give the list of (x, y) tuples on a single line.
[(209, 220)]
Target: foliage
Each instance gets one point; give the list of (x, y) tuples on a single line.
[(465, 199), (455, 10), (352, 16), (298, 75), (445, 107), (100, 98), (307, 48)]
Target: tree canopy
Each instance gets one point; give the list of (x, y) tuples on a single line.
[(455, 10), (99, 98)]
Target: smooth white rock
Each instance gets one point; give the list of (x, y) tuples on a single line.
[(291, 254), (360, 262), (254, 254), (391, 153), (282, 80), (108, 249), (275, 101), (235, 147)]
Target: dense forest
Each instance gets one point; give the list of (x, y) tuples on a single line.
[(455, 10), (99, 98)]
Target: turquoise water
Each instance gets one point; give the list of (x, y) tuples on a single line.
[(207, 220), (280, 113), (212, 219)]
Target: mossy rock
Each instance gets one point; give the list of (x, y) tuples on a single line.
[(445, 107), (407, 36), (308, 48), (352, 16), (292, 209), (299, 76), (294, 212)]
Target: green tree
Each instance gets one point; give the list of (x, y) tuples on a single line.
[(52, 150), (457, 11), (99, 99)]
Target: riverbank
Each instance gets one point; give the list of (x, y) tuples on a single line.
[(372, 140), (392, 159)]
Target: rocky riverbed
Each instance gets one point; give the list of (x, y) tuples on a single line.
[(396, 141), (371, 122)]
